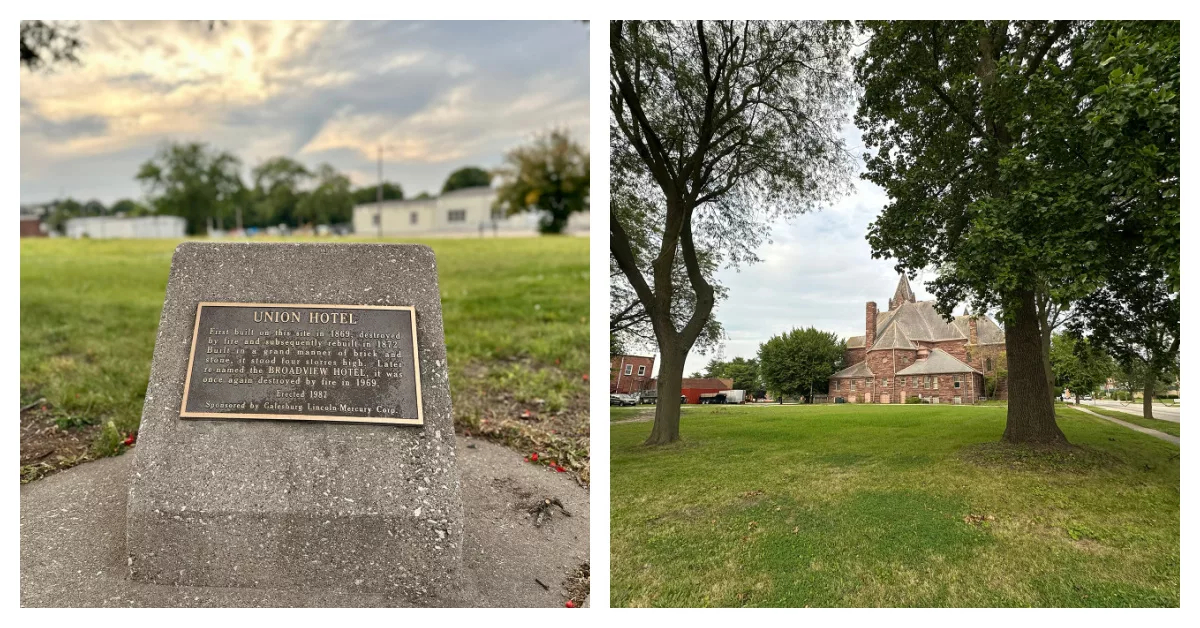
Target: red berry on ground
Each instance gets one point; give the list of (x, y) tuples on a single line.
[(570, 603), (533, 457)]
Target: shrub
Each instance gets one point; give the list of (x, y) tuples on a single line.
[(913, 400)]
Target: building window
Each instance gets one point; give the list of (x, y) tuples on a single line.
[(375, 219), (641, 370), (456, 215), (835, 384), (935, 382), (497, 213), (852, 383), (629, 369), (958, 381), (987, 365), (885, 382), (412, 218), (903, 381), (958, 400)]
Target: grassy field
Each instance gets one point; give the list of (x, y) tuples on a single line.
[(1169, 427), (901, 506), (515, 314)]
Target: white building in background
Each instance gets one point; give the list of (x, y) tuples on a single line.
[(467, 212), (120, 227)]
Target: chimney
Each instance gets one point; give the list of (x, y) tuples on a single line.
[(872, 310), (974, 330), (922, 352)]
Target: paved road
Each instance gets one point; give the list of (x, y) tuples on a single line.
[(1165, 413), (1137, 428)]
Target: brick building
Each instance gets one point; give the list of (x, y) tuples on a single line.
[(630, 374), (911, 351)]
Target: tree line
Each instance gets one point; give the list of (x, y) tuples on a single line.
[(204, 185), (1033, 165)]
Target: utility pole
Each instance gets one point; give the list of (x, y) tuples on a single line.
[(379, 197)]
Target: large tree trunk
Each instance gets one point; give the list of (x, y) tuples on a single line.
[(1030, 407), (666, 410), (1046, 334), (1148, 397)]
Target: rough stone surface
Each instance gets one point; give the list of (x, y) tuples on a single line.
[(297, 505), (73, 542)]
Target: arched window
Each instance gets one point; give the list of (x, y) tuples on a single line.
[(987, 365)]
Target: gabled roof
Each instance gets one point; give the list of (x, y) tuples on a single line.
[(892, 338), (988, 331), (858, 370), (939, 362), (919, 320), (856, 342)]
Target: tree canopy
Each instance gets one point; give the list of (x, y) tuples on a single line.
[(1079, 365), (723, 127), (330, 202), (994, 144), (370, 193), (800, 361), (467, 177), (743, 372), (194, 181), (45, 44), (551, 174)]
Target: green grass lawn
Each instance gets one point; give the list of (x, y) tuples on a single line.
[(515, 313), (902, 506), (1169, 427)]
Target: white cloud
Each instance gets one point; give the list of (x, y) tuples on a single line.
[(439, 94)]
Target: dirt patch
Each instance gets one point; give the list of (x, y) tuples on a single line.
[(1040, 458), (578, 584), (50, 443), (558, 432)]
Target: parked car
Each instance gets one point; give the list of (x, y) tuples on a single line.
[(622, 400), (1087, 397)]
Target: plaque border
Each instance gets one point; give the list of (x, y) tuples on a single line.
[(420, 420)]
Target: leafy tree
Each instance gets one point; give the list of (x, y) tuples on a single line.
[(1135, 317), (94, 208), (1079, 365), (799, 362), (468, 177), (727, 126), (986, 141), (330, 202), (44, 44), (551, 174), (130, 208), (424, 196), (193, 181), (277, 191), (60, 212), (743, 372), (368, 194)]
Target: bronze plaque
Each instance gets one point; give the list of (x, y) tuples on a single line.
[(353, 363)]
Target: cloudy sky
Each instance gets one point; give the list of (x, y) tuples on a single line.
[(436, 95), (816, 272)]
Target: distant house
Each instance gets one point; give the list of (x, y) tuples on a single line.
[(32, 227), (106, 227), (466, 211), (630, 374), (31, 221), (911, 351)]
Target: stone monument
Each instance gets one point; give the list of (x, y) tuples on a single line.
[(297, 430)]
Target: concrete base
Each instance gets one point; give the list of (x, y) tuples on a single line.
[(73, 542)]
